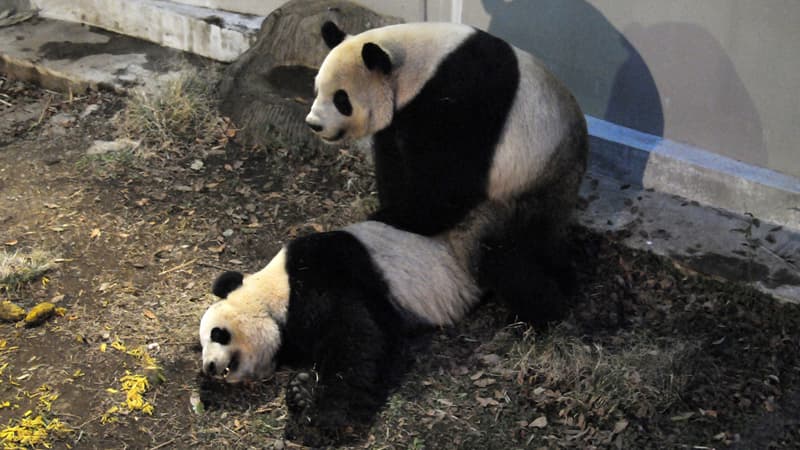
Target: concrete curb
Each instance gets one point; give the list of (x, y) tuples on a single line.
[(215, 34), (674, 168), (67, 56)]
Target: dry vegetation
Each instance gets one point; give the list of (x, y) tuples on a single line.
[(20, 267), (177, 118)]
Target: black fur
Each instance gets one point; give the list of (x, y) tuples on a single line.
[(530, 269), (432, 163), (375, 58), (342, 322), (227, 283), (332, 35)]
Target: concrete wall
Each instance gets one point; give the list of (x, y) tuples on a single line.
[(721, 75)]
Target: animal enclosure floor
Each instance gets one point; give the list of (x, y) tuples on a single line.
[(652, 357)]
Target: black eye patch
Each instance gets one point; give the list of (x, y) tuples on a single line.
[(342, 102), (220, 336)]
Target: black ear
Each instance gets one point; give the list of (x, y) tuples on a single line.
[(332, 35), (220, 336), (227, 283), (375, 58)]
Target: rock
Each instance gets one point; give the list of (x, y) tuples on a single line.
[(268, 91), (89, 110), (63, 120), (103, 147)]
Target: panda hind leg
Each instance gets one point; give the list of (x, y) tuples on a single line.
[(532, 273)]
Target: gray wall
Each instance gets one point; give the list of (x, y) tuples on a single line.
[(721, 75)]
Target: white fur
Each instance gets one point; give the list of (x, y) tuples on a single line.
[(425, 276), (251, 314), (543, 112), (415, 50)]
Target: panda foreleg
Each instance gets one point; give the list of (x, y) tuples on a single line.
[(347, 391)]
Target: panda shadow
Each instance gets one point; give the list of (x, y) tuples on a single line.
[(597, 62), (218, 395)]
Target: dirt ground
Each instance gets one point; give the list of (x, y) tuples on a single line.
[(652, 357)]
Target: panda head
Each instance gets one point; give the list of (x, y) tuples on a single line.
[(241, 333), (354, 96)]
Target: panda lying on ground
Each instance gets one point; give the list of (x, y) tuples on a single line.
[(338, 301), (472, 138)]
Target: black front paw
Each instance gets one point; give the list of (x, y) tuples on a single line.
[(300, 392)]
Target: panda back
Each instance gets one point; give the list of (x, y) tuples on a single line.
[(425, 279)]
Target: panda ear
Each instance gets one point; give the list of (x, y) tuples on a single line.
[(227, 283), (375, 58), (332, 35)]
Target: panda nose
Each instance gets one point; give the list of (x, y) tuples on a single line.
[(314, 126), (211, 368)]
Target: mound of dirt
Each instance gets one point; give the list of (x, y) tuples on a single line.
[(269, 89)]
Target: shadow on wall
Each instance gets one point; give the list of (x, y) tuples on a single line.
[(709, 106), (603, 70)]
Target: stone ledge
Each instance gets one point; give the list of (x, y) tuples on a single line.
[(215, 34)]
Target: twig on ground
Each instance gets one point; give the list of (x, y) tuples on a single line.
[(179, 266)]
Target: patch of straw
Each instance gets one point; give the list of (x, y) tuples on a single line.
[(179, 115), (637, 375), (18, 268)]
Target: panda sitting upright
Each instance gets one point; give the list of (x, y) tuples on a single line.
[(340, 302), (473, 139)]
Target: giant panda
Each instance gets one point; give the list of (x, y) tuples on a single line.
[(339, 301), (472, 139)]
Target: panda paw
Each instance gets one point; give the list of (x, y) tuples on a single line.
[(300, 392)]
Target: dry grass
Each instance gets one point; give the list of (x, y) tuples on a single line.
[(640, 377), (181, 114), (19, 268)]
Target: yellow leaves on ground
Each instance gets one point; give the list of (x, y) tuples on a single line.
[(39, 313), (11, 312), (30, 431), (135, 386), (33, 429)]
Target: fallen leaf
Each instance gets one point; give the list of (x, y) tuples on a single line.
[(143, 201), (485, 382), (682, 417), (490, 360), (217, 248), (11, 242), (149, 314), (476, 375), (708, 412), (95, 233), (539, 422), (484, 402), (620, 426)]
